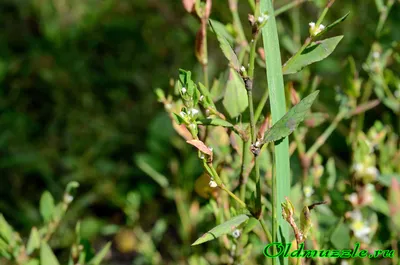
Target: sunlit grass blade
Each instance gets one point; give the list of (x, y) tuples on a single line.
[(278, 109)]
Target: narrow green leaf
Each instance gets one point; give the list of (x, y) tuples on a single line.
[(222, 229), (281, 183), (143, 163), (315, 52), (5, 254), (33, 241), (47, 256), (207, 101), (221, 29), (178, 119), (289, 122), (6, 230), (100, 256), (332, 25), (225, 46), (46, 206), (215, 122), (235, 100)]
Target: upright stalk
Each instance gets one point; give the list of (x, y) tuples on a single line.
[(249, 81), (281, 178)]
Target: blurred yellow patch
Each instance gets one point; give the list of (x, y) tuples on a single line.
[(202, 186), (125, 241)]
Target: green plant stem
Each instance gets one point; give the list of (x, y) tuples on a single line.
[(246, 160), (324, 12), (234, 197), (383, 16), (281, 185), (252, 56), (261, 105), (310, 38), (324, 136), (289, 6), (211, 170), (237, 22), (205, 58), (252, 4), (297, 54), (249, 88), (267, 233), (251, 112)]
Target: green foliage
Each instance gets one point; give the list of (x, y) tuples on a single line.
[(315, 52), (47, 256), (235, 99), (289, 122), (225, 46), (37, 250), (222, 229)]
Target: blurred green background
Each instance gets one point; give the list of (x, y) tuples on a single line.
[(77, 102)]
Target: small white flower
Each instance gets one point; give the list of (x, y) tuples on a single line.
[(373, 171), (262, 18), (344, 262), (194, 111), (242, 69), (236, 233), (68, 198), (314, 30), (358, 167), (182, 114), (308, 191), (376, 55), (257, 144), (201, 98), (361, 230), (353, 198), (213, 184), (183, 90)]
